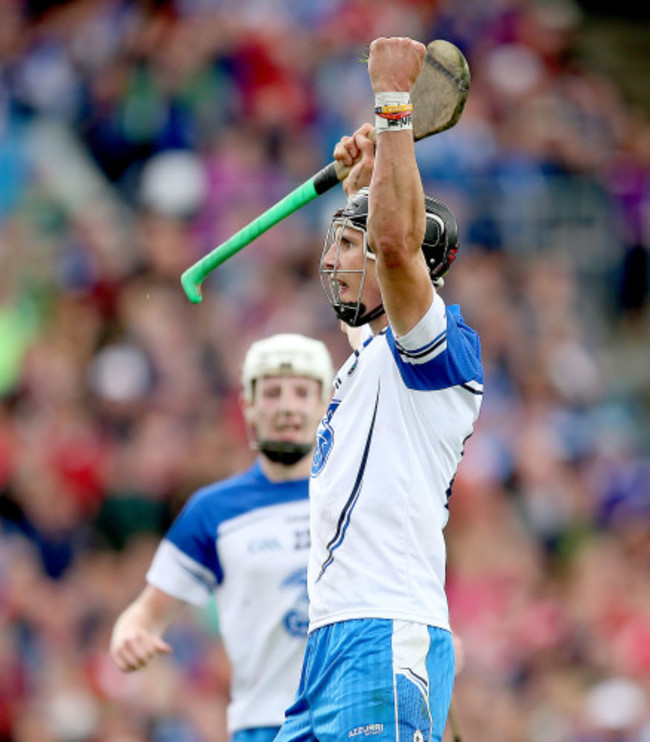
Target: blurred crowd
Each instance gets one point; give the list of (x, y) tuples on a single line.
[(134, 137)]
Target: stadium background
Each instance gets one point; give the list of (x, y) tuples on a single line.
[(134, 137)]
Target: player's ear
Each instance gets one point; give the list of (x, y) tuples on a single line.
[(248, 408), (248, 411)]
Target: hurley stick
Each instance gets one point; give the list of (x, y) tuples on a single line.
[(438, 98)]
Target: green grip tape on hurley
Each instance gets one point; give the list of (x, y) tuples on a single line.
[(193, 277)]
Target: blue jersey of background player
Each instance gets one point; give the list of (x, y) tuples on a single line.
[(246, 539), (379, 662)]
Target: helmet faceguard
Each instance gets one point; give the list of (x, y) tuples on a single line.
[(439, 246), (356, 313)]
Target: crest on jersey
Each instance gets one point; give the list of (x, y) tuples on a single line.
[(296, 620), (324, 439)]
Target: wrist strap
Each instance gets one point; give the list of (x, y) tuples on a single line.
[(393, 111)]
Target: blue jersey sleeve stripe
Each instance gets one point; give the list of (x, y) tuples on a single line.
[(199, 577), (422, 349), (457, 364), (428, 350), (177, 574)]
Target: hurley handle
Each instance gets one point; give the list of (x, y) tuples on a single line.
[(318, 184)]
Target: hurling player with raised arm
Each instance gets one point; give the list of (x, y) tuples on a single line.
[(380, 661)]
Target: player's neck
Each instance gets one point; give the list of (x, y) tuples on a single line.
[(355, 334), (277, 472), (377, 325)]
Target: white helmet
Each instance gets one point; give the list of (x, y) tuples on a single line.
[(288, 354)]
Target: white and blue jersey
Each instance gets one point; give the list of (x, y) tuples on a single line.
[(246, 539), (386, 456)]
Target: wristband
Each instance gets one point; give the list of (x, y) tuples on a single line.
[(393, 111)]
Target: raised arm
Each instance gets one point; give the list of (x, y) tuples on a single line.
[(396, 220), (137, 634)]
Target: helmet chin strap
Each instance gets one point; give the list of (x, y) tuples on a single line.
[(283, 452), (355, 315)]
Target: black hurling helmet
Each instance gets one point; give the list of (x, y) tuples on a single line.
[(439, 246)]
